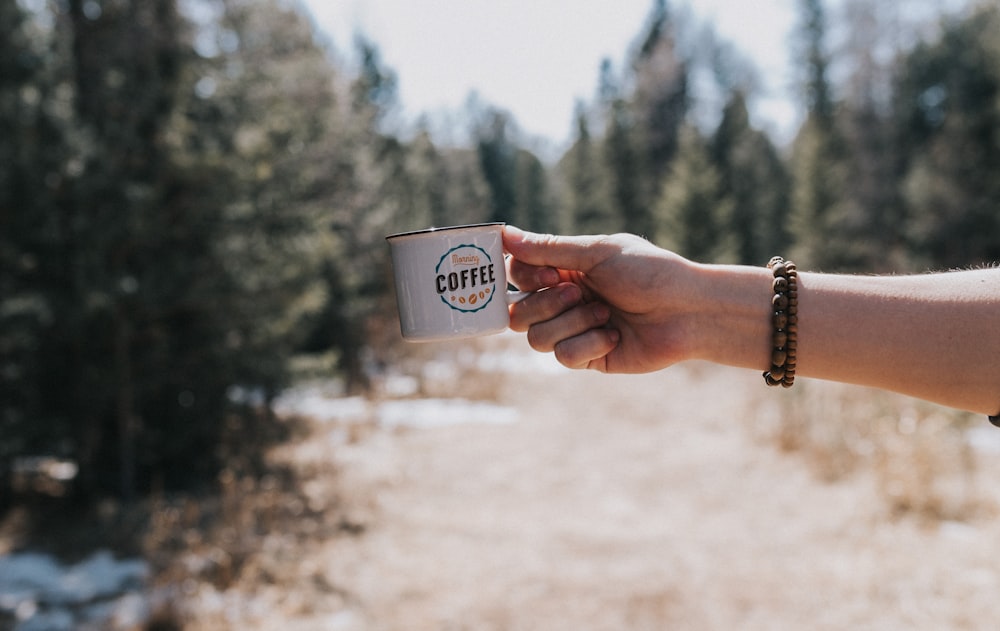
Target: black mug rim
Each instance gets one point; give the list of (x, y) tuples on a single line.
[(445, 229)]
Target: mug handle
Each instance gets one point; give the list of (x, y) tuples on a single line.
[(514, 297)]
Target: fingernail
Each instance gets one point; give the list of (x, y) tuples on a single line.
[(601, 311), (513, 233), (569, 295), (614, 335)]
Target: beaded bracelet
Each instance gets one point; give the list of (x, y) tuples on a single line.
[(785, 305)]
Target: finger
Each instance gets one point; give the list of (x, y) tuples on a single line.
[(546, 335), (530, 277), (546, 250), (544, 305), (587, 350)]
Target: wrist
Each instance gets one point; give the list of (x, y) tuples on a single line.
[(733, 316)]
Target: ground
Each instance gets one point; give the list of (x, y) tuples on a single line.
[(635, 502), (486, 488)]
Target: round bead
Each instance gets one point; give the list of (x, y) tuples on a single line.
[(780, 339), (780, 285), (777, 372), (778, 357), (780, 320), (779, 269), (779, 302)]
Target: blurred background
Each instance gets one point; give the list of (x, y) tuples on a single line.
[(194, 196)]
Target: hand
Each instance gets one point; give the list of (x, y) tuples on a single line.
[(622, 305), (617, 303)]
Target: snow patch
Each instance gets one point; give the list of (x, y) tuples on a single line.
[(315, 404), (416, 413), (428, 413), (38, 592)]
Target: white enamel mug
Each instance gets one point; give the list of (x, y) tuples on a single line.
[(451, 283)]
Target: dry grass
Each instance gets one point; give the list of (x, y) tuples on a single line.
[(917, 454), (226, 560)]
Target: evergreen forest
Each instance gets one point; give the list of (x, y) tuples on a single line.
[(194, 198)]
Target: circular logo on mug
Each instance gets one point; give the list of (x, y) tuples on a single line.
[(465, 278)]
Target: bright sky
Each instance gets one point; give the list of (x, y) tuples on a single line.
[(536, 58)]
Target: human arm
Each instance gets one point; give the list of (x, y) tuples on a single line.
[(620, 304)]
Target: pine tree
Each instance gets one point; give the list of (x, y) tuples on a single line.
[(468, 195), (622, 162), (753, 182), (533, 205), (661, 97), (589, 210), (693, 217), (170, 192), (498, 161), (871, 215), (36, 166), (947, 108), (818, 157), (373, 198), (620, 158), (430, 176), (118, 247)]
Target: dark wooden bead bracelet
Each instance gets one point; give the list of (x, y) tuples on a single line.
[(785, 318)]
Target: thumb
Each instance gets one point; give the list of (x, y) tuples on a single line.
[(579, 253)]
